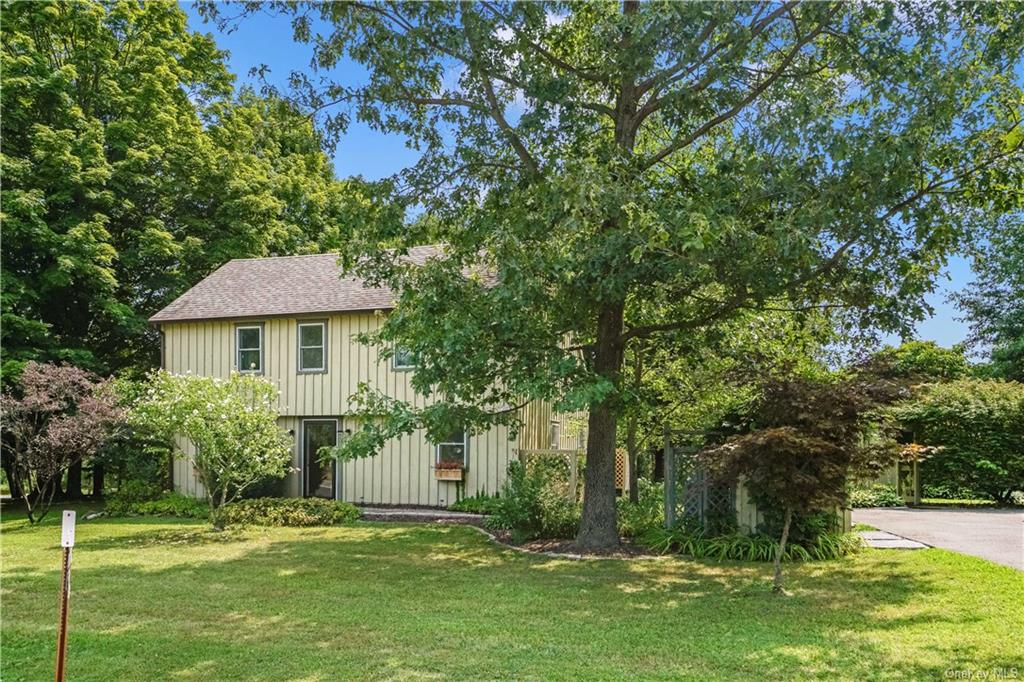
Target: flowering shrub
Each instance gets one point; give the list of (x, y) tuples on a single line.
[(231, 425)]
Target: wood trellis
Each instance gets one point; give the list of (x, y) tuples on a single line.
[(572, 459), (689, 492)]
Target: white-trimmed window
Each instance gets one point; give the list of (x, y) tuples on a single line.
[(312, 346), (453, 448), (403, 358), (249, 348)]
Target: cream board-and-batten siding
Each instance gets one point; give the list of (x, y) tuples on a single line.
[(403, 472)]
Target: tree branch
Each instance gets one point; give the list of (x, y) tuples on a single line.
[(737, 108)]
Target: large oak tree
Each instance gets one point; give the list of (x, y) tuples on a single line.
[(580, 159)]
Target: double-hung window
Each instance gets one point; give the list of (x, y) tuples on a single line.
[(312, 346), (249, 348), (453, 449)]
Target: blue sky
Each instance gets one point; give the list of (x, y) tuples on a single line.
[(266, 39)]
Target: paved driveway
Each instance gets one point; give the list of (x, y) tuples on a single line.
[(993, 534)]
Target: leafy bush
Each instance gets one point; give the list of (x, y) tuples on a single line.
[(531, 507), (230, 423), (876, 495), (647, 513), (481, 503), (136, 490), (949, 492), (978, 426), (740, 547), (168, 504), (287, 511)]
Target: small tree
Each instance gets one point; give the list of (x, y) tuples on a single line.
[(978, 428), (54, 417), (805, 438), (231, 425)]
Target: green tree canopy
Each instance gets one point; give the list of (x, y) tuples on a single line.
[(994, 302), (978, 427), (582, 160), (131, 170), (921, 361)]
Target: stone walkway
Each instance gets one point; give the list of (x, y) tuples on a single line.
[(880, 539), (419, 515)]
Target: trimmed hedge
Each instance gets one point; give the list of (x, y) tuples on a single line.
[(287, 511)]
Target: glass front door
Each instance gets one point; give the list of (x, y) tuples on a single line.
[(320, 479)]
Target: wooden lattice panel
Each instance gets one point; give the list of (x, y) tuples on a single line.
[(621, 479)]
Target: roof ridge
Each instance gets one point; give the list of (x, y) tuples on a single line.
[(294, 255)]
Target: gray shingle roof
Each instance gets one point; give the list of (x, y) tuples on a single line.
[(286, 285)]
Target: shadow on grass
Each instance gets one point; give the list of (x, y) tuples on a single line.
[(379, 600)]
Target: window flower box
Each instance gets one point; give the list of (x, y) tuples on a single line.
[(449, 470)]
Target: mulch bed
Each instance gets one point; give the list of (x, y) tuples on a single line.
[(569, 548)]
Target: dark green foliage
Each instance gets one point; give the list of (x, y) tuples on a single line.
[(648, 512), (134, 491), (481, 503), (994, 301), (131, 169), (804, 528), (876, 495), (287, 511), (978, 427), (531, 507), (921, 361), (167, 504)]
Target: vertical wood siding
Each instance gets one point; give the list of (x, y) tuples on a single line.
[(402, 473)]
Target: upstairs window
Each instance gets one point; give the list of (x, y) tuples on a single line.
[(249, 348), (403, 358), (453, 449), (312, 346)]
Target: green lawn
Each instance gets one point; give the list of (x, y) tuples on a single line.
[(165, 599)]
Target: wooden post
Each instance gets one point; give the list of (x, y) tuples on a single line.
[(670, 481), (67, 541)]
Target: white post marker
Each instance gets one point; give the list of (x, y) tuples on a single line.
[(67, 541)]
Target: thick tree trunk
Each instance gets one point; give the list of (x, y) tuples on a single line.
[(780, 550), (98, 476), (74, 485), (598, 526)]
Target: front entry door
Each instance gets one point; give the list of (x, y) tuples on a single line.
[(319, 478)]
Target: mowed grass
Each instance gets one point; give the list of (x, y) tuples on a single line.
[(165, 599)]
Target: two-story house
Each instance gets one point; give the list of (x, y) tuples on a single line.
[(292, 319)]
